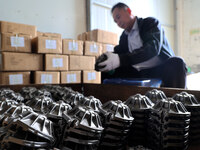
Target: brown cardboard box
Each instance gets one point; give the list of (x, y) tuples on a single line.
[(11, 27), (15, 42), (70, 77), (14, 78), (56, 62), (50, 43), (102, 36), (10, 61), (81, 62), (92, 48), (83, 36), (72, 47), (44, 77), (108, 48), (92, 77)]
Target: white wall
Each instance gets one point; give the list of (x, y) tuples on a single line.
[(67, 17), (188, 25), (163, 10)]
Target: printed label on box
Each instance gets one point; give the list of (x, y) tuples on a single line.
[(46, 78), (17, 41), (71, 78), (109, 48), (50, 44), (57, 62), (91, 76), (16, 79), (93, 48), (73, 46)]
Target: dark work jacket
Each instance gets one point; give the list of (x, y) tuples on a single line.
[(149, 30)]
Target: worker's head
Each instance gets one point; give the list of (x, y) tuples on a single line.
[(122, 15)]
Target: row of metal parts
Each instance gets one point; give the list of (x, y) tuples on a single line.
[(58, 117)]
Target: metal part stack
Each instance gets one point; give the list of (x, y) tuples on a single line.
[(140, 106), (83, 129), (39, 103), (193, 106), (155, 95), (168, 125), (30, 131), (117, 124), (54, 113)]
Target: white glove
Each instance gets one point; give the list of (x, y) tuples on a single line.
[(112, 62)]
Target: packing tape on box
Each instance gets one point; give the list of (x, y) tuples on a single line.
[(57, 62), (15, 79), (46, 78), (73, 46), (94, 48), (91, 76), (71, 78), (50, 44)]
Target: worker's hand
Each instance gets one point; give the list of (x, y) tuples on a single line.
[(112, 62)]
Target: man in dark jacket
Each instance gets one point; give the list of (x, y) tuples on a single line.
[(143, 51)]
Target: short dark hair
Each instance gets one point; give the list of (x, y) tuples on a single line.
[(119, 5)]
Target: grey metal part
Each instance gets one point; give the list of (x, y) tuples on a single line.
[(119, 110), (80, 141), (155, 95), (26, 143), (139, 102)]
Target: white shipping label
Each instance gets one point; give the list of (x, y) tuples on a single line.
[(73, 46), (91, 76), (57, 62), (16, 79), (50, 44), (17, 41), (71, 78), (93, 48), (46, 78), (109, 48)]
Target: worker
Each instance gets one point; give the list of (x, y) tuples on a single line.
[(143, 51)]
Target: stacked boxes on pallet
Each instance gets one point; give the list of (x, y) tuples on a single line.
[(49, 59), (16, 59)]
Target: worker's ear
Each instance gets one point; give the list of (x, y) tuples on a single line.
[(129, 11)]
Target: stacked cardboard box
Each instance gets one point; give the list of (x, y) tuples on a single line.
[(97, 42), (16, 59)]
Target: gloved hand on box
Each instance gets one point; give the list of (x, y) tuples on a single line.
[(112, 62)]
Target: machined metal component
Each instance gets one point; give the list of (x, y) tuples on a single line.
[(39, 103), (155, 95)]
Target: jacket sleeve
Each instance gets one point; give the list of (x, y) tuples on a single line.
[(150, 31)]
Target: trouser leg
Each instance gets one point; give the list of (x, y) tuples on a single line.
[(174, 73)]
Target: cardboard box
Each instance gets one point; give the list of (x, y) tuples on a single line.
[(92, 48), (14, 78), (70, 77), (72, 47), (102, 37), (50, 43), (10, 61), (91, 77), (83, 36), (11, 27), (56, 62), (15, 42), (77, 63), (108, 48), (44, 77)]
